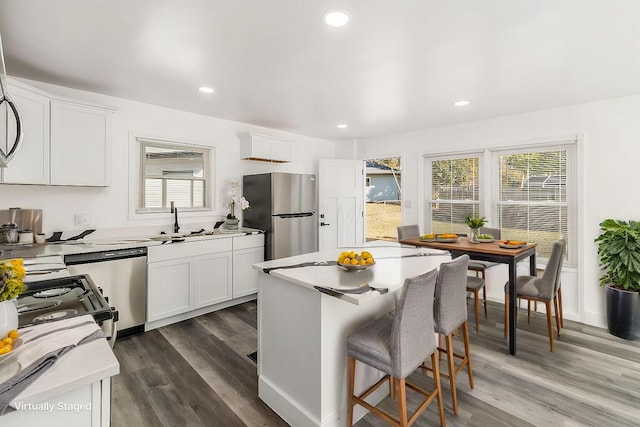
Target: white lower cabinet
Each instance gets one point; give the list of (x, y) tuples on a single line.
[(169, 288), (196, 277), (247, 250), (212, 279), (183, 278)]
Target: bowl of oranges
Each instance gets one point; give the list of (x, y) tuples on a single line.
[(9, 343), (356, 261)]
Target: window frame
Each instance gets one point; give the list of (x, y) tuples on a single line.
[(428, 160), (208, 171), (571, 187)]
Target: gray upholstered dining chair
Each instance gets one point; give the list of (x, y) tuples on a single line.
[(408, 231), (450, 314), (541, 289), (397, 344)]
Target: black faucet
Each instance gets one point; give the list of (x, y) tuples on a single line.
[(174, 210)]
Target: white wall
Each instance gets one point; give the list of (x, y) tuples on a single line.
[(607, 171), (108, 207)]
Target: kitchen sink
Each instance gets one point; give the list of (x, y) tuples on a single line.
[(181, 236)]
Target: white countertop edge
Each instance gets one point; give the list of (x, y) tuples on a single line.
[(81, 366)]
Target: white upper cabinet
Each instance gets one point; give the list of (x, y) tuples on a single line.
[(80, 144), (30, 165), (264, 148), (64, 142)]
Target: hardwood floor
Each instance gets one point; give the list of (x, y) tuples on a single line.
[(197, 373)]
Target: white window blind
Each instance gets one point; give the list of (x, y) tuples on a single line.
[(454, 187), (533, 202), (172, 172)]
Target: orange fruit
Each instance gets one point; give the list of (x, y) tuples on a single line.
[(13, 334)]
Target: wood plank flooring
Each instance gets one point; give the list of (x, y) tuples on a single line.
[(197, 373)]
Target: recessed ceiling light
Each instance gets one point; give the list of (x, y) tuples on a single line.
[(342, 126), (336, 18), (461, 103), (206, 89)]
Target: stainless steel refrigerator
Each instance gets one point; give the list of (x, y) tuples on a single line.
[(285, 206)]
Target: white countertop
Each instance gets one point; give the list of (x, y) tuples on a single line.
[(393, 265), (81, 366), (89, 244)]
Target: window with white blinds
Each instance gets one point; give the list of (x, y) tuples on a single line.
[(453, 192), (172, 172), (534, 197)]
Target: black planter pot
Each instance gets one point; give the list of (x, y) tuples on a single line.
[(623, 312)]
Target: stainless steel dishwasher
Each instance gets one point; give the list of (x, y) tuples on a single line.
[(122, 275)]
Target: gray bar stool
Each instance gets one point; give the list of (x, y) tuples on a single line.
[(397, 344), (450, 311)]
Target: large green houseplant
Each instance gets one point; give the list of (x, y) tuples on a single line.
[(619, 256)]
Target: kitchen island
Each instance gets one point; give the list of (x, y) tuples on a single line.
[(302, 332)]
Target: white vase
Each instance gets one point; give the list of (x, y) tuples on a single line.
[(8, 316)]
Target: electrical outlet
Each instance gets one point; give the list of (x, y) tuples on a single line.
[(82, 219)]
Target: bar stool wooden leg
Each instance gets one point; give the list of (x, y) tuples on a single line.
[(351, 371), (467, 352), (436, 377), (392, 388), (402, 401), (452, 372)]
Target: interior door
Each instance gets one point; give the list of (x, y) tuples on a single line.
[(341, 203)]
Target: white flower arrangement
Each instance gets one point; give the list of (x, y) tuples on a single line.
[(235, 199)]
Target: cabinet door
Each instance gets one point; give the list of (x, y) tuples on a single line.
[(212, 278), (79, 144), (169, 285), (245, 278), (30, 165)]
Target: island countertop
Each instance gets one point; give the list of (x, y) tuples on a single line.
[(392, 266)]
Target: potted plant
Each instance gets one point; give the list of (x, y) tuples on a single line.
[(474, 223), (619, 257), (11, 285), (232, 221)]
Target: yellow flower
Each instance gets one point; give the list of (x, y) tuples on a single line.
[(12, 273)]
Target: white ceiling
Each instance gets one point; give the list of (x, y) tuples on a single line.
[(397, 66)]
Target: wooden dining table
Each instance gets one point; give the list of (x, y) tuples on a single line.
[(491, 252)]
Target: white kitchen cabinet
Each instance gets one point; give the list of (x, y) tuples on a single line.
[(247, 250), (212, 279), (169, 288), (80, 144), (264, 148), (30, 165), (183, 277)]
